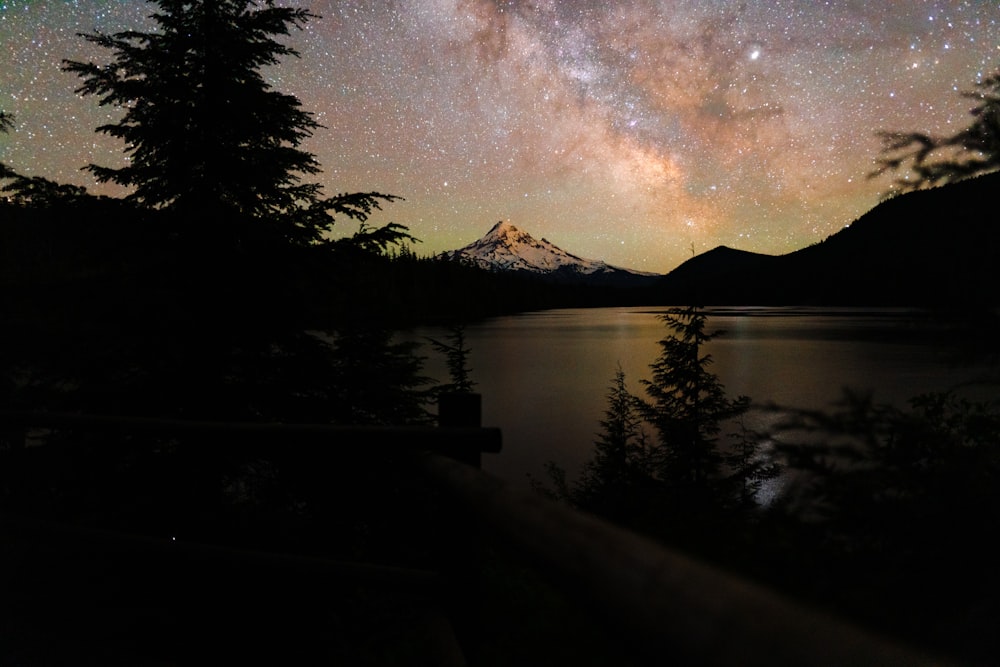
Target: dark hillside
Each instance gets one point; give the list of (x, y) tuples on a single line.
[(929, 247), (925, 248), (721, 275)]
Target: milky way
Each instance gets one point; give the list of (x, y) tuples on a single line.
[(633, 131)]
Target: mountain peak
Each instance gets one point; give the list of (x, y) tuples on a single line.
[(505, 232), (502, 228), (505, 248)]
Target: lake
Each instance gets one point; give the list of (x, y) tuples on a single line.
[(544, 375)]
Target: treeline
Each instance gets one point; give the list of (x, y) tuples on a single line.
[(433, 290), (113, 241)]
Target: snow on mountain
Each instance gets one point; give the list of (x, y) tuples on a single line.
[(507, 248)]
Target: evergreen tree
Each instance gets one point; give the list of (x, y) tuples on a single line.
[(621, 463), (204, 132), (749, 467), (928, 160), (687, 404), (638, 482), (6, 125), (376, 380), (34, 190), (39, 192), (457, 359)]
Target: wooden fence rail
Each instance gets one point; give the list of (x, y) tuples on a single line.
[(413, 438)]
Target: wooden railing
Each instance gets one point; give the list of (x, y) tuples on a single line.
[(665, 606)]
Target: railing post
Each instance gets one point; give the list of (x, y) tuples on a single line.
[(462, 410)]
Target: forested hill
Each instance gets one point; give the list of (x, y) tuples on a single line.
[(925, 248)]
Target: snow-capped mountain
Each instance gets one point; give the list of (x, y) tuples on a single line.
[(505, 248)]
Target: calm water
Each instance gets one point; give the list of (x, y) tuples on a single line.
[(544, 376)]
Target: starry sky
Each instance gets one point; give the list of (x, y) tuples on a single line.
[(634, 131)]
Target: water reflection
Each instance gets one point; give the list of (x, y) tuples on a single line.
[(544, 375)]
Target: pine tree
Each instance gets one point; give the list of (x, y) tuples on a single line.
[(36, 191), (374, 379), (205, 134), (928, 160), (6, 125), (457, 360), (687, 404), (749, 467), (621, 464)]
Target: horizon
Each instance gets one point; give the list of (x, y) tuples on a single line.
[(521, 228), (629, 133)]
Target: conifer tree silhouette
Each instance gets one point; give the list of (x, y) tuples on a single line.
[(622, 457), (34, 190), (928, 160), (636, 479), (687, 403), (456, 355), (6, 124), (205, 134)]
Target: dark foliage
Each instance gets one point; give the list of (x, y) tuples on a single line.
[(204, 132), (378, 381), (201, 125), (750, 466), (618, 479), (107, 309), (687, 403), (34, 191), (457, 360), (6, 125), (927, 160), (38, 191), (113, 312), (892, 513), (193, 295)]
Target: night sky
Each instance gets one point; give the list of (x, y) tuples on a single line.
[(630, 131)]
